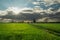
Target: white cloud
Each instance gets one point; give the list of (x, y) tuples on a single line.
[(2, 13), (26, 8), (16, 10), (58, 10), (49, 11), (50, 2), (36, 3)]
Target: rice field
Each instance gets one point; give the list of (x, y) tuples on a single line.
[(31, 31)]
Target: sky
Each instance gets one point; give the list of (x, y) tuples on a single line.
[(16, 6), (12, 3), (44, 4)]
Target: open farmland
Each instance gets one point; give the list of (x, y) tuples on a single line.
[(32, 31)]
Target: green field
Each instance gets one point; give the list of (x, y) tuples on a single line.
[(32, 31)]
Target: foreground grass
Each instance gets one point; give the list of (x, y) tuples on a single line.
[(24, 31)]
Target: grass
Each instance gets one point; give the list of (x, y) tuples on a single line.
[(52, 26), (34, 31)]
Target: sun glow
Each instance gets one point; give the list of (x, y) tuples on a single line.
[(16, 10)]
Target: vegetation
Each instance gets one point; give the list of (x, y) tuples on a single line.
[(32, 31)]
